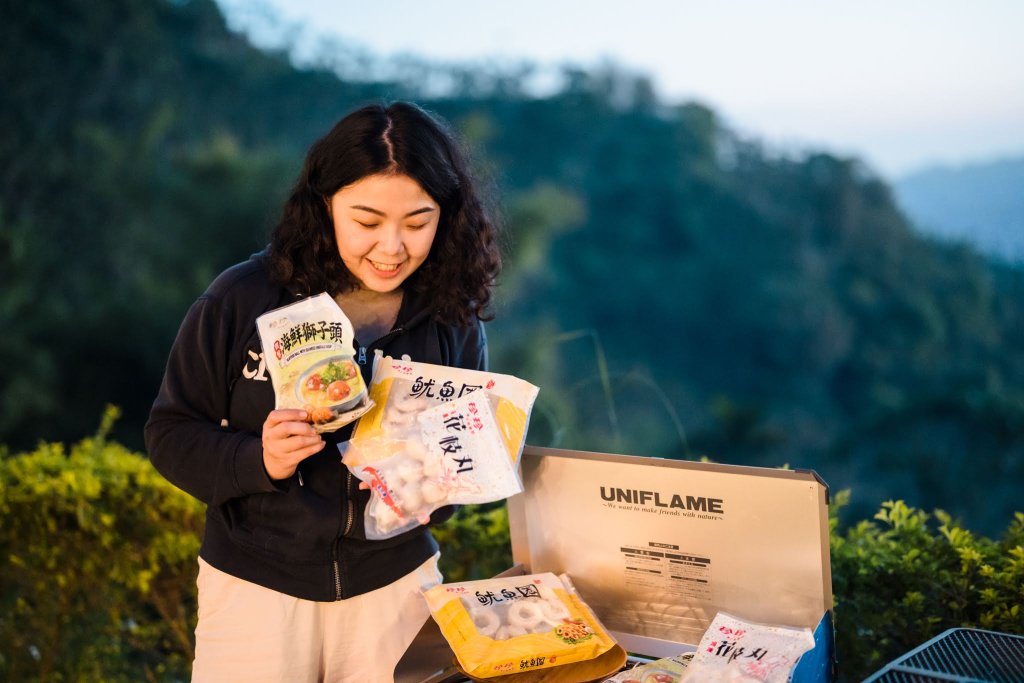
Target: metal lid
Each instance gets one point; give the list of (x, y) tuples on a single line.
[(658, 547)]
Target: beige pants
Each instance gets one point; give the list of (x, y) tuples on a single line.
[(254, 634)]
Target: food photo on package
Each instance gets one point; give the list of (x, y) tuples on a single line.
[(512, 624), (665, 670), (308, 347), (449, 454)]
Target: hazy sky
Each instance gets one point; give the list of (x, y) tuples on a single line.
[(900, 83)]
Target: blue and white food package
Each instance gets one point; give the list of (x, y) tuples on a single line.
[(737, 651)]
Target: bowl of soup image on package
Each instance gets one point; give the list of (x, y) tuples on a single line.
[(332, 386)]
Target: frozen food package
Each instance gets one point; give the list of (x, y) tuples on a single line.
[(511, 624), (402, 388), (436, 436), (741, 651), (308, 347), (449, 454), (666, 670)]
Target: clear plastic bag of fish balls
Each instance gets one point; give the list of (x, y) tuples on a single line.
[(448, 454)]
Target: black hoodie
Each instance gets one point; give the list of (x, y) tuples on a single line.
[(303, 536)]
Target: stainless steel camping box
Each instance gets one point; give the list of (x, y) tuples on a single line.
[(658, 547)]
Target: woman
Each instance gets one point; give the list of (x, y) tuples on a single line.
[(384, 217)]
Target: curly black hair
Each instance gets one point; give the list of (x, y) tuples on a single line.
[(400, 138)]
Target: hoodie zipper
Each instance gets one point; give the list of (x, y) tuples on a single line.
[(350, 507), (380, 342), (349, 504), (337, 571), (350, 515)]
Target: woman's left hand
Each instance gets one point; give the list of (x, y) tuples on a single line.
[(288, 439)]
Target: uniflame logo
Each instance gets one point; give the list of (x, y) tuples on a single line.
[(659, 500)]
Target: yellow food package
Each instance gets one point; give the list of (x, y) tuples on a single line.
[(511, 624), (401, 389)]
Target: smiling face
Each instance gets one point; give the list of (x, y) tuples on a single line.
[(384, 226)]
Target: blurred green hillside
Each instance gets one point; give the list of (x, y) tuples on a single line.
[(675, 289)]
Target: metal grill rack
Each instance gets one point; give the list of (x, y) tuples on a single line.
[(959, 655)]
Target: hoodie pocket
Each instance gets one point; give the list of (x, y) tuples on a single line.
[(294, 525)]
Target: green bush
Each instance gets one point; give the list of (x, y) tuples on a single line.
[(475, 543), (98, 565), (99, 560), (899, 581)]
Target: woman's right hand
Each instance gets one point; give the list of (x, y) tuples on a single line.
[(288, 439)]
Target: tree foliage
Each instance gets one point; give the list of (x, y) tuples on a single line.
[(98, 565), (675, 289), (905, 576)]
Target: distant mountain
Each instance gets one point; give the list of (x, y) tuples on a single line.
[(982, 204)]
